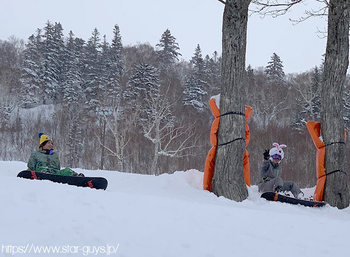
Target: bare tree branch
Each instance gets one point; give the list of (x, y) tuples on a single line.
[(277, 8), (274, 7)]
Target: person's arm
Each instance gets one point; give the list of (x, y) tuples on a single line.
[(32, 162), (265, 166)]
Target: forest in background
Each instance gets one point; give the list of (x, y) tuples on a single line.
[(142, 108)]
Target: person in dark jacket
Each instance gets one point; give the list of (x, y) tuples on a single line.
[(46, 160), (270, 173)]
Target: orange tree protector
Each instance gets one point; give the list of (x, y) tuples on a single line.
[(314, 129), (209, 165)]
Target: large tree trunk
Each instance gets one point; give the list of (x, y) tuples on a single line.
[(335, 67), (228, 180)]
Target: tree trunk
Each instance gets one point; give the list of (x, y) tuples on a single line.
[(154, 167), (103, 135), (228, 180), (335, 68)]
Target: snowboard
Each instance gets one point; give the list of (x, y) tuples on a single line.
[(271, 196), (92, 182)]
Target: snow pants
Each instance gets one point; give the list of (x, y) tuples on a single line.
[(270, 186)]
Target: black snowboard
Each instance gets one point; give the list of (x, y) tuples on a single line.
[(92, 182), (271, 196)]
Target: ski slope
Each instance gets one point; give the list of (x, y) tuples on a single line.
[(158, 216)]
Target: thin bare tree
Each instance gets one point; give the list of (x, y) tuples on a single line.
[(169, 139), (118, 128)]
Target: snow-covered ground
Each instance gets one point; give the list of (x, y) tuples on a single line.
[(158, 216)]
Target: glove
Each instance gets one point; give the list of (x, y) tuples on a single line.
[(266, 155)]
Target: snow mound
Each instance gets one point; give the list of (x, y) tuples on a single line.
[(151, 216)]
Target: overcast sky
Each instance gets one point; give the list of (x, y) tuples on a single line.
[(191, 22)]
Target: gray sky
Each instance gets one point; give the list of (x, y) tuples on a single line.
[(192, 22)]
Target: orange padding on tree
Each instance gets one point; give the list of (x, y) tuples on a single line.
[(314, 129), (210, 160)]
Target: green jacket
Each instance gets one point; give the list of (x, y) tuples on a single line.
[(43, 161)]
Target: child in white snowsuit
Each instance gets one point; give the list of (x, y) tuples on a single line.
[(270, 173)]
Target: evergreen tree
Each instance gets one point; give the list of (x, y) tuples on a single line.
[(168, 52), (197, 62), (194, 93), (53, 53), (73, 97), (72, 85), (250, 79), (213, 72), (274, 69), (31, 72), (105, 73), (92, 70), (144, 81), (196, 87), (117, 65), (142, 85)]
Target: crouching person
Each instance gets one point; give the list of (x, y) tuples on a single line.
[(270, 174)]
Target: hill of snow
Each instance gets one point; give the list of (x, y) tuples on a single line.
[(158, 216)]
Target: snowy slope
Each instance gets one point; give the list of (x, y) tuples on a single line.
[(167, 215)]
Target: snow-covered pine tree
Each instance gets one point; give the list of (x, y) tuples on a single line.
[(92, 70), (117, 65), (213, 72), (144, 83), (168, 52), (249, 81), (197, 62), (32, 84), (53, 54), (105, 74), (195, 87), (274, 70), (72, 85), (73, 97), (194, 93), (250, 75)]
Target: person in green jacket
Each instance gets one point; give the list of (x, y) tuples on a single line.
[(46, 160)]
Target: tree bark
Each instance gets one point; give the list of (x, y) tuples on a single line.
[(335, 68), (228, 180)]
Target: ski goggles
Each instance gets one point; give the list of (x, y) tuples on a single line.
[(276, 156)]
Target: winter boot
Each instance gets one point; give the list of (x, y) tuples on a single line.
[(301, 196), (278, 189)]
